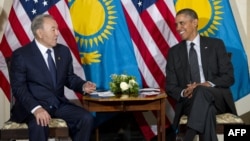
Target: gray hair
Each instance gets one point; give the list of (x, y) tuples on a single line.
[(37, 22), (189, 12)]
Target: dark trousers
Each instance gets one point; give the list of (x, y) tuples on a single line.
[(79, 121), (202, 109)]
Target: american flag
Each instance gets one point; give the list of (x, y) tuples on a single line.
[(152, 30), (18, 33)]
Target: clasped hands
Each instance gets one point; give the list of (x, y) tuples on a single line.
[(188, 92)]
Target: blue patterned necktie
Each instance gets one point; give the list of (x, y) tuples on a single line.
[(194, 66), (52, 67)]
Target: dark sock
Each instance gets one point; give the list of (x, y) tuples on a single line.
[(190, 134)]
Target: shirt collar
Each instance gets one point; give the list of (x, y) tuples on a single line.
[(42, 48), (196, 40)]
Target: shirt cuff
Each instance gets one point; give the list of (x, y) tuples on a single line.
[(182, 95), (212, 84), (34, 109)]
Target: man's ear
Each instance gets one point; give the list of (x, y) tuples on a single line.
[(39, 33), (195, 22)]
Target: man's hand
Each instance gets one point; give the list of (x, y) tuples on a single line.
[(42, 117), (188, 92), (89, 87)]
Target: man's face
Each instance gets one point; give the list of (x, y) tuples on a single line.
[(49, 33), (186, 26)]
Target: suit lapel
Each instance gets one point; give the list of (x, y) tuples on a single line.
[(204, 55), (42, 64), (184, 59)]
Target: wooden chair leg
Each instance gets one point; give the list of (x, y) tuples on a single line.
[(97, 134)]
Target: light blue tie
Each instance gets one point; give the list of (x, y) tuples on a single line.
[(52, 67)]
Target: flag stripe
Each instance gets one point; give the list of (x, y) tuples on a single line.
[(144, 70), (23, 18), (4, 79), (170, 110), (144, 126), (18, 28), (161, 44), (5, 85), (169, 18), (152, 26), (11, 42), (142, 47), (4, 48)]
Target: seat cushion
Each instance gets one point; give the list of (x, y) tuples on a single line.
[(226, 118), (54, 122)]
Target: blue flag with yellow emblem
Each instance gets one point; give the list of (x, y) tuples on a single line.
[(103, 39), (216, 20)]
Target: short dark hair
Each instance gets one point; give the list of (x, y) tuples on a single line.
[(189, 12)]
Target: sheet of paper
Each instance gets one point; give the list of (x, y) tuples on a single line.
[(103, 94), (149, 90)]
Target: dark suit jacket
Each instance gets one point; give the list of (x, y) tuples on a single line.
[(217, 69), (31, 81)]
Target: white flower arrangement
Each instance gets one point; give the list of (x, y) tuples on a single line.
[(124, 84)]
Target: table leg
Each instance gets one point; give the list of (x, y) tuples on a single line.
[(162, 128)]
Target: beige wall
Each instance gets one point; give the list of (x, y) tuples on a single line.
[(242, 17)]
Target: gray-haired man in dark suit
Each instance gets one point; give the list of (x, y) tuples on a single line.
[(39, 92)]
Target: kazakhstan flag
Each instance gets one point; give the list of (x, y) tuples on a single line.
[(103, 39), (216, 20)]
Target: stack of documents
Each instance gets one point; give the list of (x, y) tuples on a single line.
[(149, 91)]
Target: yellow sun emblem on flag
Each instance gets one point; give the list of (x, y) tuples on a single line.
[(92, 21), (209, 13)]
